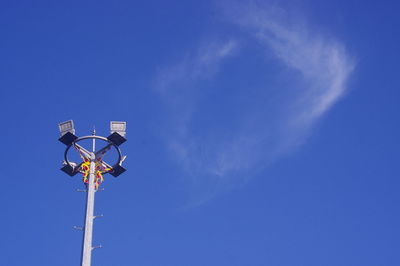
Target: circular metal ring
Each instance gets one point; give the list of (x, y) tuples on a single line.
[(92, 137)]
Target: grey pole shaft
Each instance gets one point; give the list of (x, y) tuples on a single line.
[(88, 229)]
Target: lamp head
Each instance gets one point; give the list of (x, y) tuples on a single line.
[(67, 132), (67, 126), (119, 127), (118, 132)]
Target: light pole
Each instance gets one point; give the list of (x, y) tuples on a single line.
[(93, 167)]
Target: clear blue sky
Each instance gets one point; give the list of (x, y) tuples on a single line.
[(260, 133)]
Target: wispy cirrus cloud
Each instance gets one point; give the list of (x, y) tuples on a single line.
[(202, 64), (323, 61), (178, 86), (213, 152)]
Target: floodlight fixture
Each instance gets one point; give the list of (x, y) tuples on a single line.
[(119, 127), (67, 126), (67, 132), (118, 132), (70, 169), (117, 170)]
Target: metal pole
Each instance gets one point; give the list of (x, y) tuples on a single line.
[(88, 229)]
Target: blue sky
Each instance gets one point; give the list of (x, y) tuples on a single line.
[(259, 132)]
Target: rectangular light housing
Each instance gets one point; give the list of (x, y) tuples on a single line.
[(119, 127), (67, 126)]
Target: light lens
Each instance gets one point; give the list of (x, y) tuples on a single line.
[(67, 126), (118, 126)]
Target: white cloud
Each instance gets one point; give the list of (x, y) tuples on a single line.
[(322, 63), (201, 65)]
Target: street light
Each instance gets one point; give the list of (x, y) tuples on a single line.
[(119, 127), (67, 126), (93, 167), (118, 132), (67, 132)]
